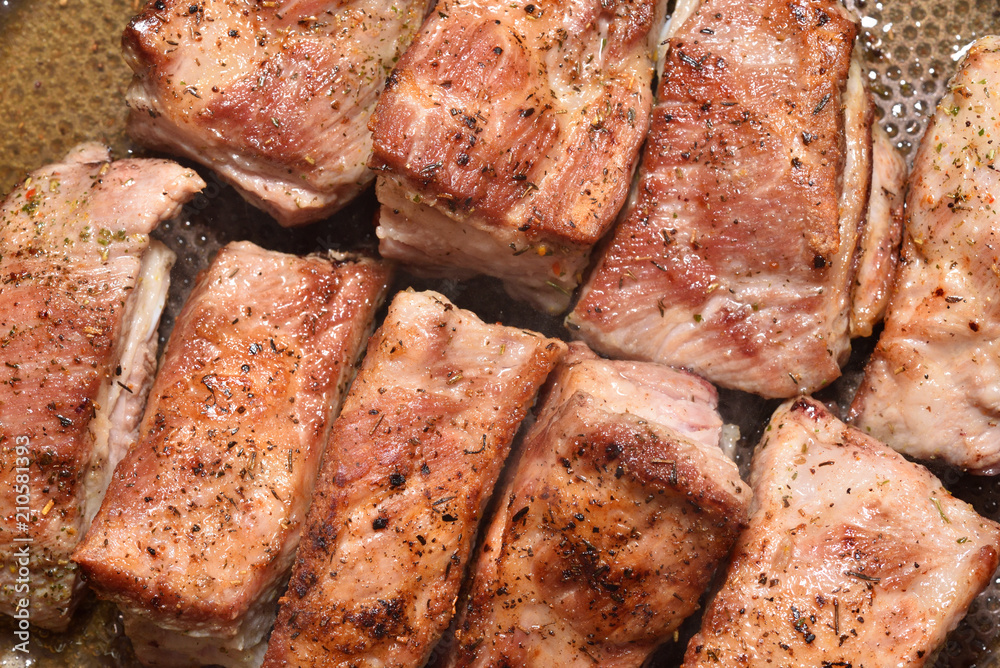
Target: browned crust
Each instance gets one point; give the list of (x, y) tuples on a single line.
[(395, 431), (631, 461), (183, 449), (701, 87), (464, 57), (704, 221)]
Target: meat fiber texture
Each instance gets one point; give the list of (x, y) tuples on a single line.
[(507, 137), (197, 534), (411, 461), (853, 556), (619, 510), (932, 387), (273, 96), (80, 302), (737, 255)]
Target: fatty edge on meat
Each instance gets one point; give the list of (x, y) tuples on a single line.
[(80, 301), (621, 506), (197, 533), (932, 387), (273, 96), (736, 256)]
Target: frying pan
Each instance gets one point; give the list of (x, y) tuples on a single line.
[(62, 81)]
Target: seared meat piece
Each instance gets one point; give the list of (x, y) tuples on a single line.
[(80, 302), (932, 387), (879, 245), (274, 96), (853, 556), (199, 528), (507, 137), (411, 461), (619, 510), (737, 255)]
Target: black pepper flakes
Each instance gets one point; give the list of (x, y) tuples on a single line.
[(822, 103)]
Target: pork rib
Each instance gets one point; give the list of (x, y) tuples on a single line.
[(932, 388), (411, 461), (507, 137), (853, 557), (619, 511), (275, 96), (80, 301), (198, 531), (737, 255)]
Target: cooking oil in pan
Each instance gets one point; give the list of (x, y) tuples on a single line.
[(62, 81)]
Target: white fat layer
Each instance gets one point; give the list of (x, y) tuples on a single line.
[(682, 12), (729, 439), (432, 243), (116, 423), (855, 180), (160, 647), (857, 162)]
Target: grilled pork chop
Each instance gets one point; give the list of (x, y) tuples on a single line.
[(199, 528), (410, 463), (273, 95), (853, 556), (736, 257), (507, 137), (932, 388), (81, 294), (619, 510)]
